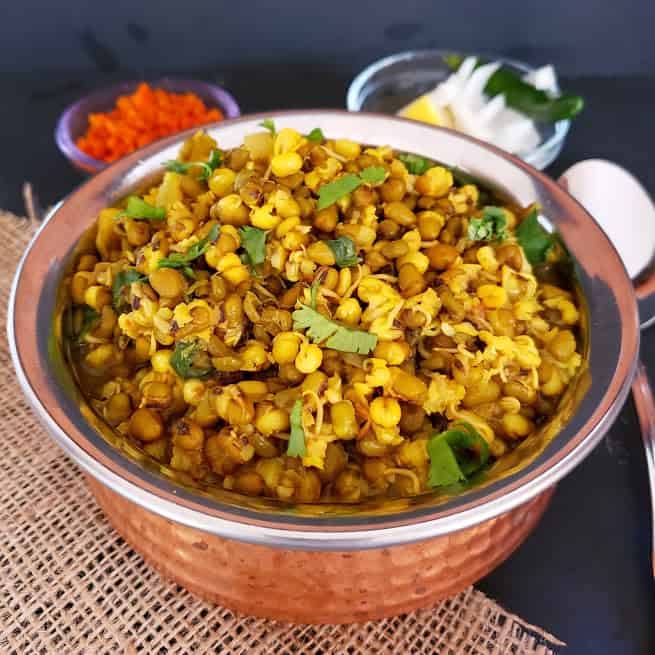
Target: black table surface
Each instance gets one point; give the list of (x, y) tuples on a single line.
[(585, 572)]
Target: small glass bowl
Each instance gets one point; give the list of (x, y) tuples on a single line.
[(74, 120), (390, 83)]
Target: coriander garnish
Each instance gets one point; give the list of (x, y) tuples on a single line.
[(316, 135), (122, 282), (268, 124), (329, 193), (326, 332), (207, 167), (296, 446), (184, 360), (534, 240), (182, 260), (456, 454), (345, 251), (140, 209), (491, 226), (253, 241)]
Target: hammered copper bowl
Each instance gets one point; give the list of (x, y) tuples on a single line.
[(327, 563)]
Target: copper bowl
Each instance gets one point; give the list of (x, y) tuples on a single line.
[(327, 563)]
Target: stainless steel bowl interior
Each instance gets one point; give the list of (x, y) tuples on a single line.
[(588, 410)]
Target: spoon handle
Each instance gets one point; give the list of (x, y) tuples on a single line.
[(645, 405)]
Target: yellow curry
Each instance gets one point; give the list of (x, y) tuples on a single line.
[(313, 319)]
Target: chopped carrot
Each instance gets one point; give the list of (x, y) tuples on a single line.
[(140, 118)]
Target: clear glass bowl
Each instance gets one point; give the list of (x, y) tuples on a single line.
[(74, 120), (390, 83)]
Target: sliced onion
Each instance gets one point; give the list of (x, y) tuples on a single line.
[(461, 99), (493, 109), (467, 120), (514, 132), (543, 78), (474, 87)]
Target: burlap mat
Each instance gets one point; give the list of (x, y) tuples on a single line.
[(70, 584)]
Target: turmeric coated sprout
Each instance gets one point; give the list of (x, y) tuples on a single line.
[(316, 319)]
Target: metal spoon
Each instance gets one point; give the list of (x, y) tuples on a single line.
[(623, 208)]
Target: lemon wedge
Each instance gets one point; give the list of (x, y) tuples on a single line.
[(423, 109)]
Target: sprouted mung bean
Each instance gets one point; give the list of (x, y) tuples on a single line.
[(314, 319)]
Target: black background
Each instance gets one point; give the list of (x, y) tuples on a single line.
[(579, 36), (585, 572)]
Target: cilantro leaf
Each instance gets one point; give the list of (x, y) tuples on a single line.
[(316, 135), (345, 251), (373, 174), (444, 469), (268, 124), (492, 226), (296, 446), (207, 168), (415, 164), (182, 260), (121, 286), (140, 209), (470, 448), (456, 454), (215, 158), (534, 240), (174, 166), (89, 317), (184, 360), (201, 246), (332, 335), (329, 193), (253, 241)]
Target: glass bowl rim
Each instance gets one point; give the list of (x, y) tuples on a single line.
[(354, 95)]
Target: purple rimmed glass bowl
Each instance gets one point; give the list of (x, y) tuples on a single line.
[(74, 120)]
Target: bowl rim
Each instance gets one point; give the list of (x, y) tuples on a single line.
[(38, 269), (354, 95), (64, 139)]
